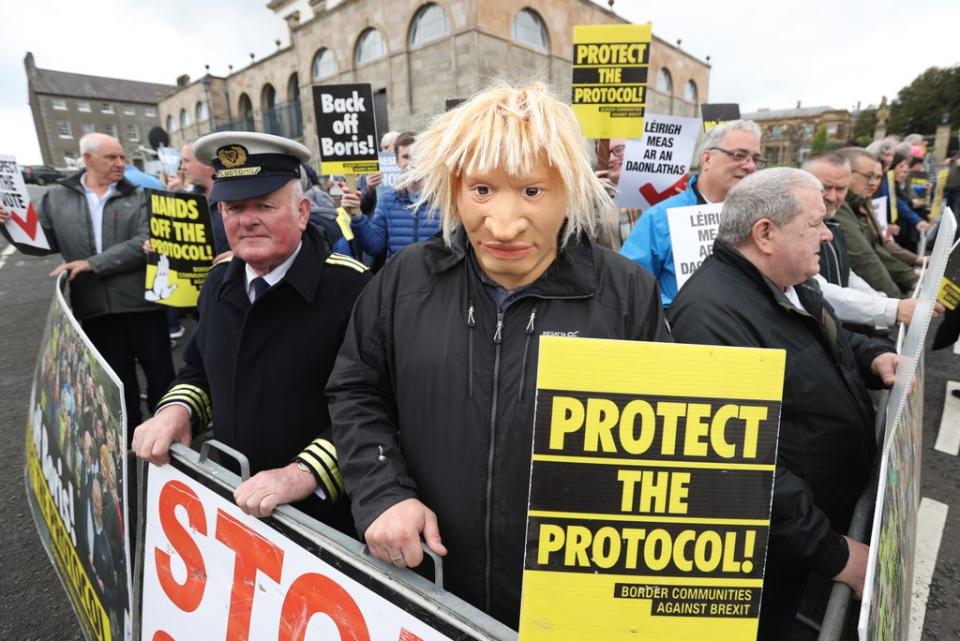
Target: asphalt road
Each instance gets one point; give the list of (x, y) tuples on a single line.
[(33, 604)]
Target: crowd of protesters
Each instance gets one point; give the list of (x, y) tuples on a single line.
[(418, 309)]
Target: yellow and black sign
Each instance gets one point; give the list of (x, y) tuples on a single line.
[(610, 65), (949, 294), (936, 208), (346, 129), (892, 198), (650, 492), (717, 113), (181, 237)]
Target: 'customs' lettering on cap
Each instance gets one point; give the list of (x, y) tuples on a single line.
[(233, 157)]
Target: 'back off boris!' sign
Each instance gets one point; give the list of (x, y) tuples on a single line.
[(346, 129), (650, 490), (610, 65), (181, 237)]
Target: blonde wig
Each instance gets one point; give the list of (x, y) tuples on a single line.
[(510, 129)]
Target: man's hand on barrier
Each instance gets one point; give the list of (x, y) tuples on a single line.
[(153, 437), (885, 366), (394, 536), (260, 494), (855, 572), (905, 310), (73, 269), (938, 309), (4, 216)]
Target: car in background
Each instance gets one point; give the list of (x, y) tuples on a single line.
[(41, 174)]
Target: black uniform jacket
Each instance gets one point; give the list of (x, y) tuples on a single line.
[(827, 442), (433, 395), (258, 370)]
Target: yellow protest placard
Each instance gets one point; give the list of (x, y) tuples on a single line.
[(650, 492), (610, 65), (181, 237), (937, 206), (892, 190)]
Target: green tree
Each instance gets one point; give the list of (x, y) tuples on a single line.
[(865, 126), (819, 140), (920, 105)]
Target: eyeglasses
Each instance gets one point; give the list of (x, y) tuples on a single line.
[(741, 156), (871, 177), (617, 151)]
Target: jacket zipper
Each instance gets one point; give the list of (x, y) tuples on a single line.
[(497, 342), (471, 327), (526, 350)]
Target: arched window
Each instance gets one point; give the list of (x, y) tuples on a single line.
[(690, 93), (293, 88), (202, 114), (295, 115), (370, 47), (184, 119), (268, 97), (665, 81), (324, 64), (246, 113), (429, 24), (171, 123), (528, 28)]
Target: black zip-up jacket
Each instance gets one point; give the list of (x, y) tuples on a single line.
[(432, 395), (827, 441)]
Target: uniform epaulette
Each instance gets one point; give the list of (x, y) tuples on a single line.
[(346, 261), (223, 259)]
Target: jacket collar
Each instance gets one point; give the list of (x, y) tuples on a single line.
[(124, 187), (303, 276), (571, 274), (808, 291)]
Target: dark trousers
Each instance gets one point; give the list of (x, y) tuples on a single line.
[(782, 592), (128, 339)]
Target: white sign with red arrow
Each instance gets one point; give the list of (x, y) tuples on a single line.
[(24, 224)]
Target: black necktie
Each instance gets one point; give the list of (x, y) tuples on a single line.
[(259, 286)]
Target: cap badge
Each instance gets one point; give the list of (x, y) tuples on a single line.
[(232, 156)]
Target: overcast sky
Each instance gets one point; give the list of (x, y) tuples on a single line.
[(764, 53)]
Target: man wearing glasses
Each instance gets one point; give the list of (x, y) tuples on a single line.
[(867, 248), (730, 152)]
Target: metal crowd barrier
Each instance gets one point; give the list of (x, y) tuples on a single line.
[(471, 623)]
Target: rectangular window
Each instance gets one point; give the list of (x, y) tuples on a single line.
[(133, 133), (150, 112), (106, 108), (63, 128), (88, 128), (111, 130), (83, 105), (59, 104), (832, 129), (129, 110)]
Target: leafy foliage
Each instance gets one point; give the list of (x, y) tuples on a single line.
[(920, 105)]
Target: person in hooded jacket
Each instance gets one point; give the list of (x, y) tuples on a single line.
[(432, 395)]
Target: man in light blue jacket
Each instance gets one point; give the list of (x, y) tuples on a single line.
[(729, 152)]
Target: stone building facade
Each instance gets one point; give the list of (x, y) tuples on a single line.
[(788, 134), (416, 54), (66, 106)]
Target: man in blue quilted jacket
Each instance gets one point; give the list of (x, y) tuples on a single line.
[(395, 224)]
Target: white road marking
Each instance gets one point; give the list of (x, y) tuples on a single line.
[(956, 347), (5, 253), (948, 438), (931, 519)]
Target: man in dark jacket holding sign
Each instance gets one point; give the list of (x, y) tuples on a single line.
[(755, 291), (433, 393), (271, 322)]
